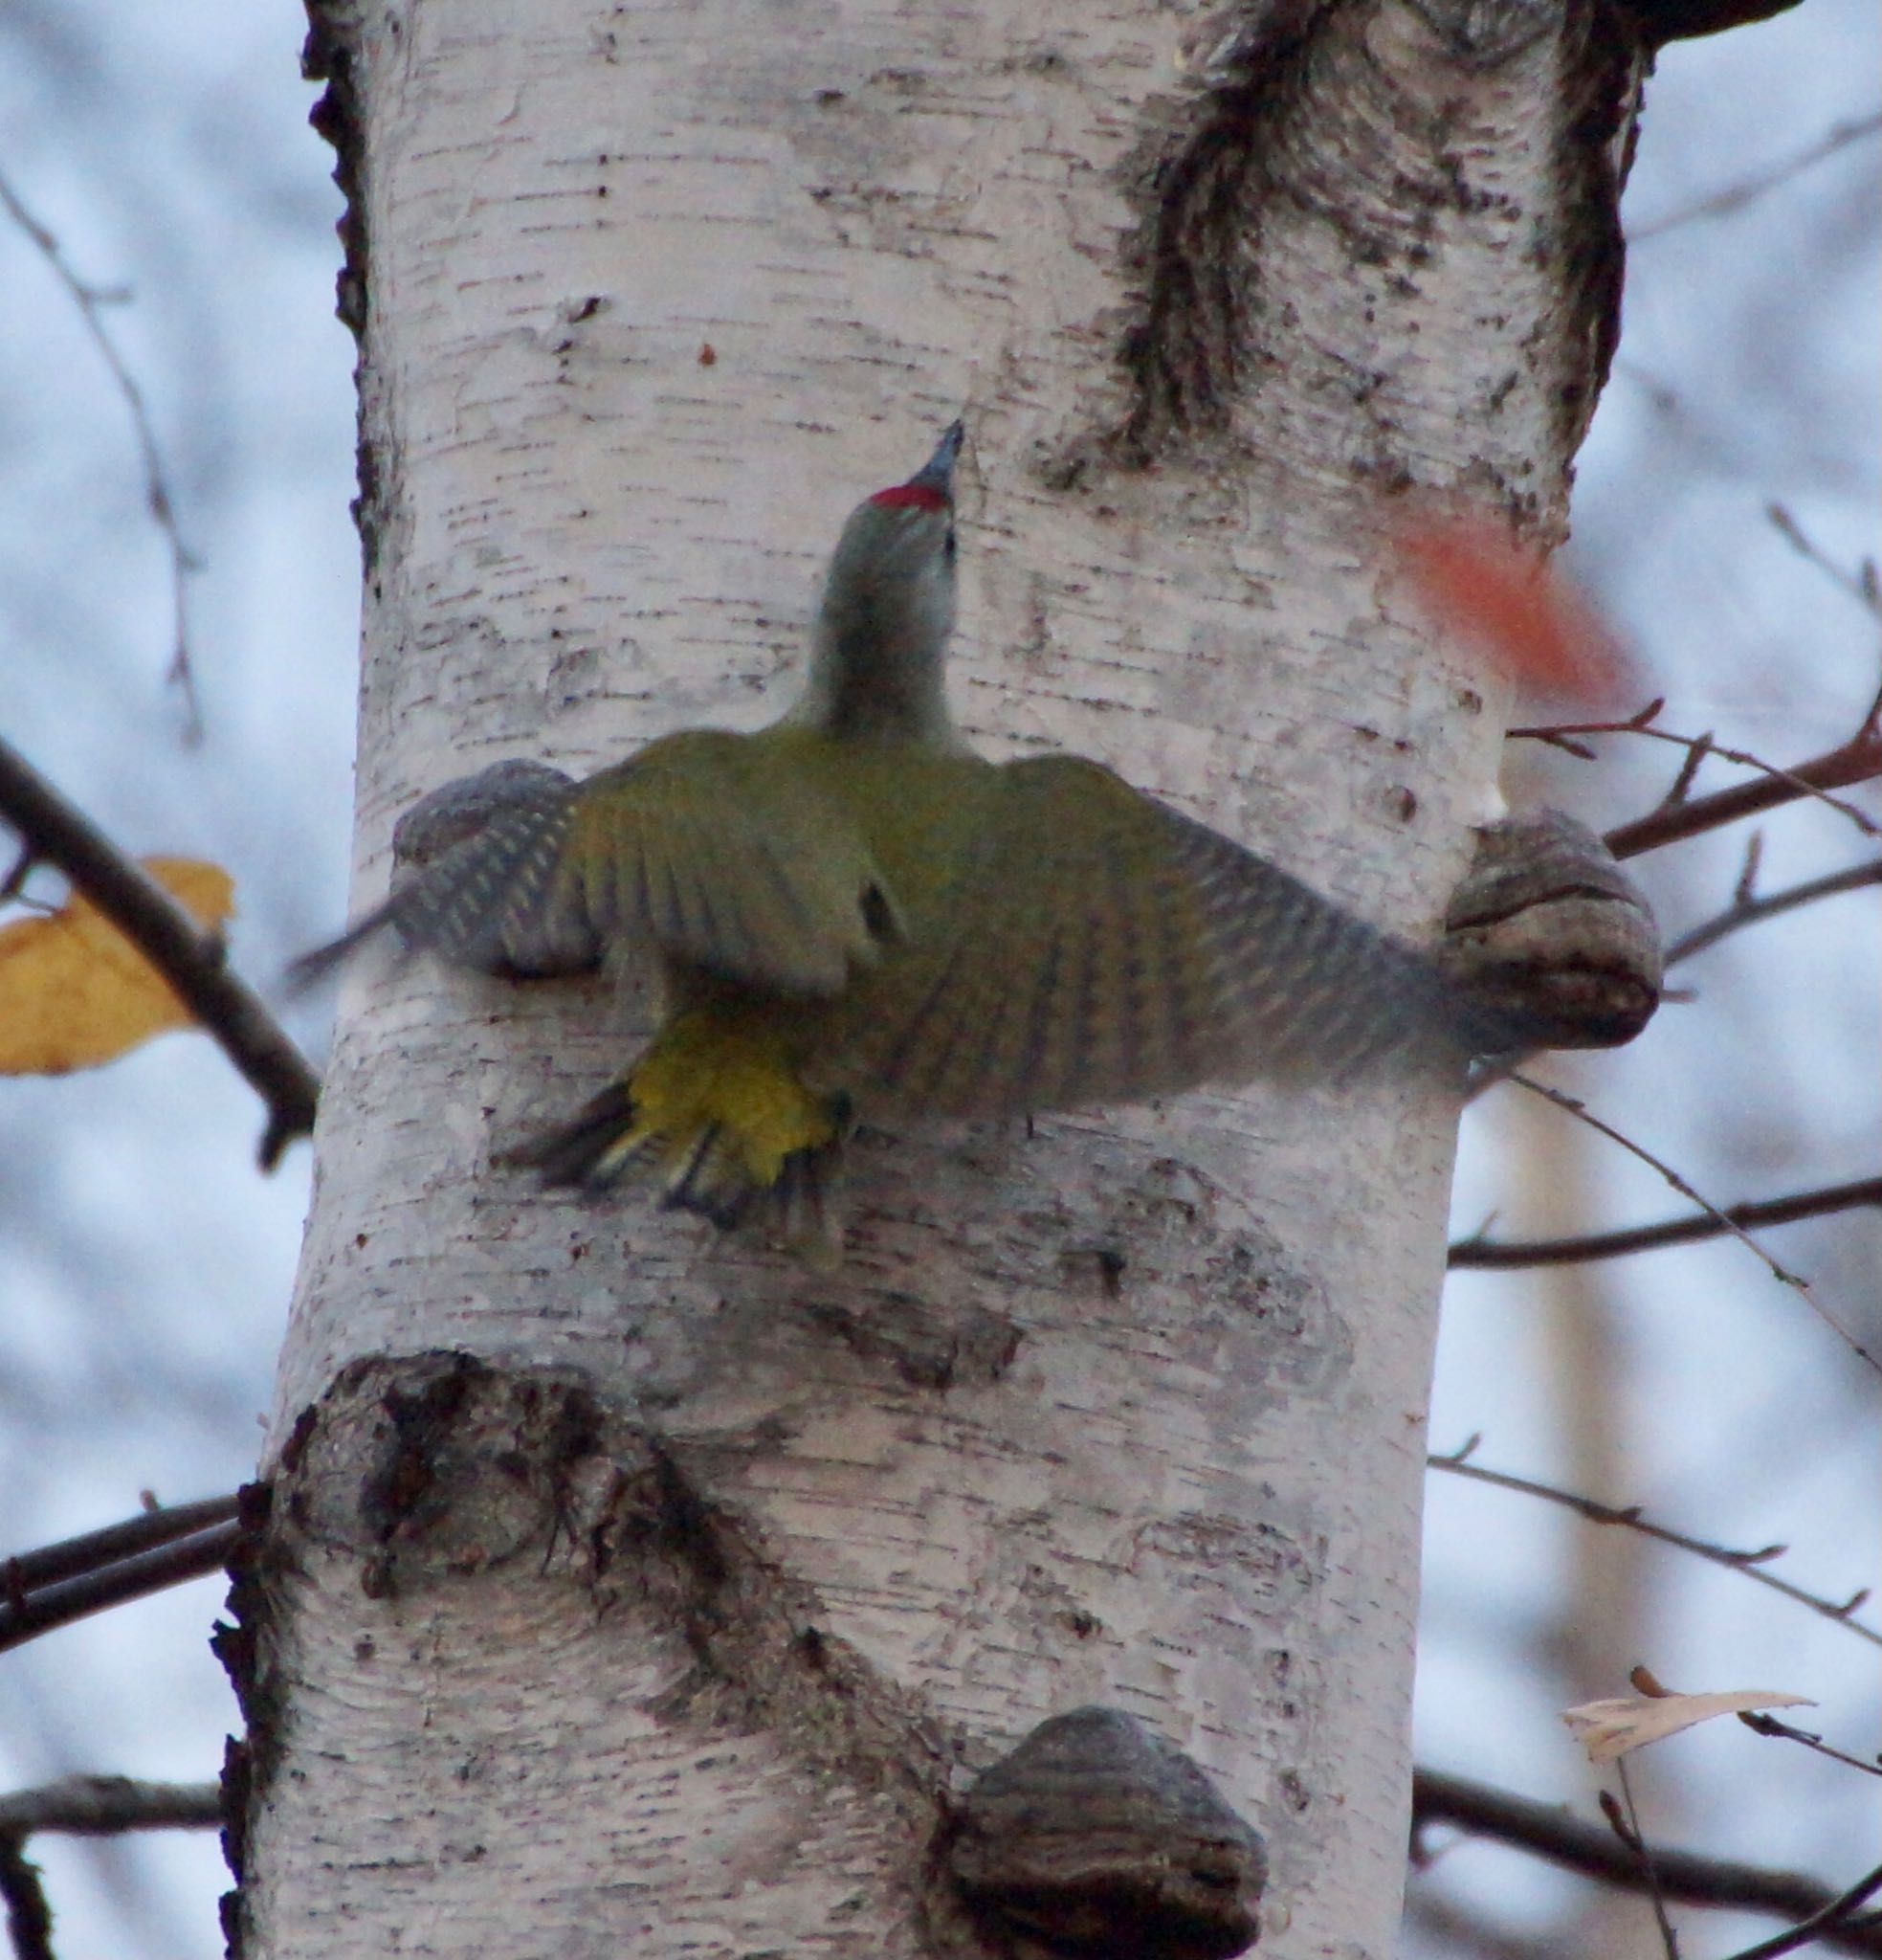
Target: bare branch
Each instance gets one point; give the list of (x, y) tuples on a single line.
[(44, 1607), (89, 1805), (1678, 816), (1814, 1931), (1748, 189), (29, 1918), (1581, 1113), (56, 1584), (1860, 586), (103, 1806), (1746, 888), (1629, 1517), (1697, 748), (1787, 1731), (91, 301), (1746, 910), (1579, 1845), (1489, 1253), (94, 1549), (1624, 1819), (192, 962), (1859, 760), (1556, 733)]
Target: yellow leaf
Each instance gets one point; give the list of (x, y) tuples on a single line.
[(74, 991)]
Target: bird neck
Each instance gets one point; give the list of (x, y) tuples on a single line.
[(869, 685)]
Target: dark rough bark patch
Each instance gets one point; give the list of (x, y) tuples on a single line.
[(1594, 152), (1203, 189), (327, 56), (967, 1346), (436, 1468), (764, 1660), (1206, 329), (1486, 34), (240, 1642), (1095, 1838), (330, 55), (1547, 928), (1661, 21)]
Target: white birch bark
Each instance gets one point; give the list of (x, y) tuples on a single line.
[(665, 1636)]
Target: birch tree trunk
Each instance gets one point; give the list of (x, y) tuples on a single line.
[(628, 1589)]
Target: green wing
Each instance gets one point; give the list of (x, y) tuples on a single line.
[(721, 851), (726, 852), (1102, 947)]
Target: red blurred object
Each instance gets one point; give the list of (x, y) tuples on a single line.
[(1503, 598)]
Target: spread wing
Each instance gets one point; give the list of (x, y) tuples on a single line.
[(714, 848), (1103, 948)]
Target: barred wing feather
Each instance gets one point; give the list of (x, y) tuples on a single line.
[(713, 848), (1104, 948)]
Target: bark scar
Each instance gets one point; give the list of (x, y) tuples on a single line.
[(437, 1469)]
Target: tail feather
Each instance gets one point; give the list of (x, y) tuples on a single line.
[(715, 1163), (593, 1150), (711, 1179)]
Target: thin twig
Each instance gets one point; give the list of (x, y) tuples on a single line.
[(1753, 1565), (1678, 817), (1861, 585), (1745, 890), (1808, 1932), (1502, 1253), (1641, 719), (1700, 747), (1635, 1839), (1858, 760), (45, 1608), (103, 1806), (1811, 1931), (1748, 189), (91, 302), (192, 961), (1746, 911), (1697, 748), (1787, 1731), (1576, 1844), (94, 1549), (1581, 1113)]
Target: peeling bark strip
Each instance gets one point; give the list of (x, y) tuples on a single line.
[(660, 1601), (330, 55), (248, 1761)]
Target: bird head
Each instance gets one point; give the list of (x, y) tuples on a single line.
[(888, 610)]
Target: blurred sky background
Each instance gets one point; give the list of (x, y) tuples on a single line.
[(145, 1265)]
